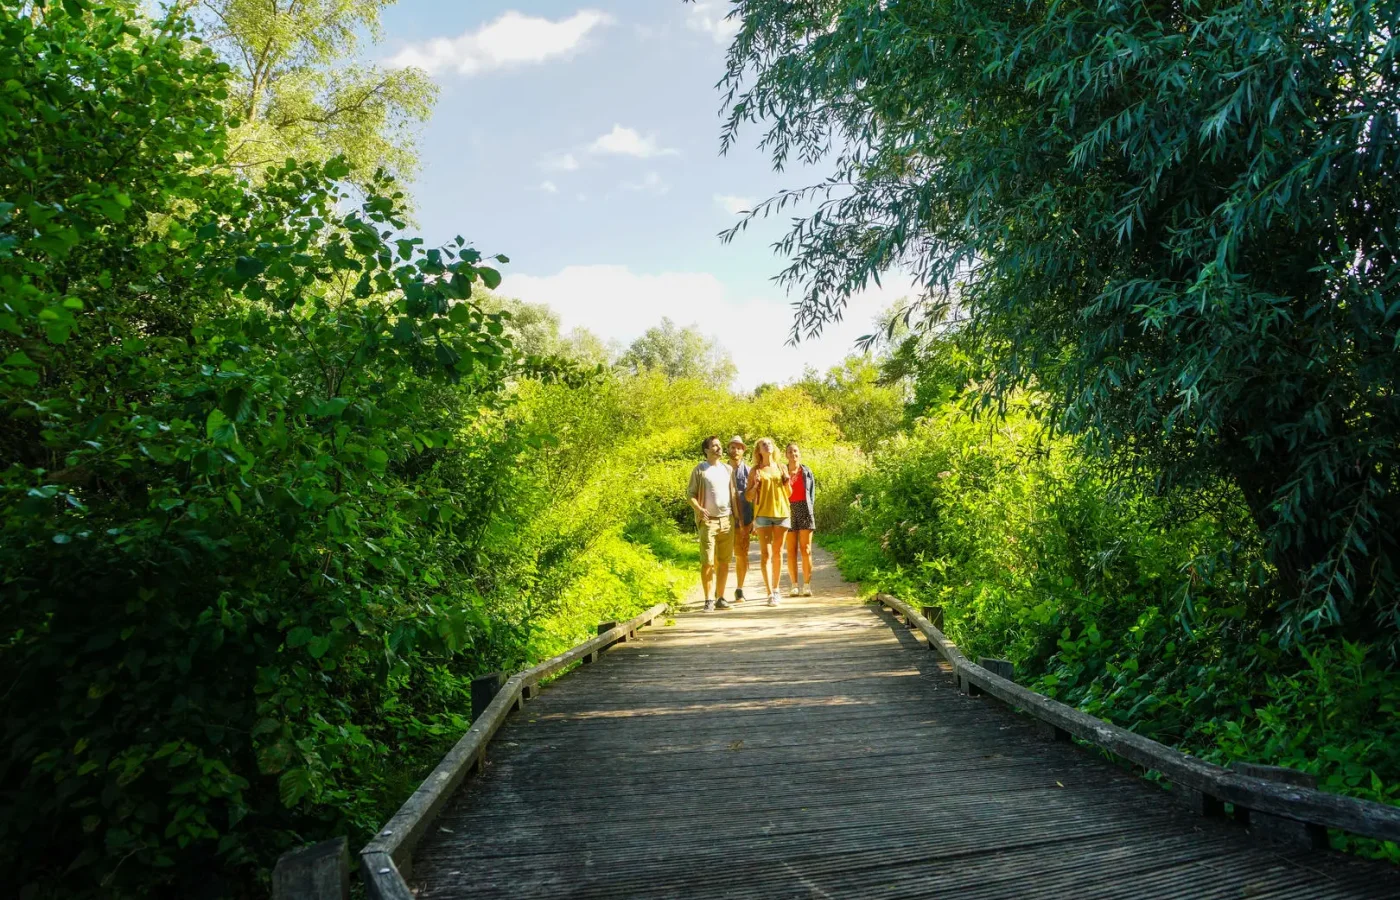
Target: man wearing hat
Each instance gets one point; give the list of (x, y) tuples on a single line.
[(743, 515)]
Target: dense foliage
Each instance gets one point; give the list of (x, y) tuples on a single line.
[(279, 480), (1178, 220), (229, 418), (1092, 585), (299, 86)]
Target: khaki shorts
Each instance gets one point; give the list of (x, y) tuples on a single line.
[(716, 540)]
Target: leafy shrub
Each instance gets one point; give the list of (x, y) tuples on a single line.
[(1142, 610), (275, 488)]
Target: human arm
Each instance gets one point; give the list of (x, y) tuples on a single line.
[(695, 491), (751, 491)]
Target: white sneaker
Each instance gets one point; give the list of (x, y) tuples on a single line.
[(775, 598)]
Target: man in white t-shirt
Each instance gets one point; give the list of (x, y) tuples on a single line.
[(711, 495)]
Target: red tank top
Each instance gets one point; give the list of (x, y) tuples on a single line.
[(797, 490)]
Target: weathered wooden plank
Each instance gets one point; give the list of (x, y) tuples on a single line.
[(318, 872), (1377, 820), (797, 752), (538, 673), (398, 838), (382, 878), (1275, 828)]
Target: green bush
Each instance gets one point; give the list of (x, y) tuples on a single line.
[(276, 487), (1143, 610)]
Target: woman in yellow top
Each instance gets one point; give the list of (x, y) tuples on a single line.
[(768, 492)]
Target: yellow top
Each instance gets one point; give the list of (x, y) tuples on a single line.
[(767, 492)]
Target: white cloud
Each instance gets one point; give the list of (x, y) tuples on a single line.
[(651, 183), (618, 304), (628, 142), (512, 39), (732, 204), (559, 162), (709, 17), (549, 187)]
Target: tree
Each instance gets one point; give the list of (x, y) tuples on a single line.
[(1177, 219), (230, 532), (679, 353), (868, 410), (297, 94), (536, 331)]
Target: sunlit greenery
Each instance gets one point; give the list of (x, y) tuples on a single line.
[(1177, 221), (277, 479)]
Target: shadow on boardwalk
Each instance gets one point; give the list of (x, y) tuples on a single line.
[(815, 750)]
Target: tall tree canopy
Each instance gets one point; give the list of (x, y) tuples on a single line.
[(678, 352), (1179, 219), (298, 91), (227, 423)]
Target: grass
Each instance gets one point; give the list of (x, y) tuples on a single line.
[(858, 557)]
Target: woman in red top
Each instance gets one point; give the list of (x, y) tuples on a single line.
[(802, 489)]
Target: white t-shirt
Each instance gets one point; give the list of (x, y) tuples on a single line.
[(712, 480)]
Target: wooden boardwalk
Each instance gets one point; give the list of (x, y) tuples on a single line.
[(816, 750)]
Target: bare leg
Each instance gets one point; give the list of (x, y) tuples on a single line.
[(721, 576), (741, 554), (777, 560), (792, 558), (804, 543), (707, 580), (765, 546)]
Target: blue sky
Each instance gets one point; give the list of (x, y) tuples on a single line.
[(583, 142)]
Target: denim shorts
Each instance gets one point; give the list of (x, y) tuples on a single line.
[(770, 521)]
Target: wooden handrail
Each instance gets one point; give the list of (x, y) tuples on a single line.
[(386, 861), (1301, 804)]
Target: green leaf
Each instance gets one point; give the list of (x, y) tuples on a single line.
[(215, 421)]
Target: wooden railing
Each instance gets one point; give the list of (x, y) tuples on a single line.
[(320, 872), (1261, 793)]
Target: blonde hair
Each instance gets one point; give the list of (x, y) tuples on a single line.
[(772, 456)]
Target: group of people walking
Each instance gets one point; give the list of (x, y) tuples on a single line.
[(734, 500)]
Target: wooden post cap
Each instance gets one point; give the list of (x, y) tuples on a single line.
[(318, 872), (484, 690), (1000, 667)]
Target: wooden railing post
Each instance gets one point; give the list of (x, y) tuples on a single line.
[(1000, 667), (1277, 828), (318, 872), (484, 690)]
